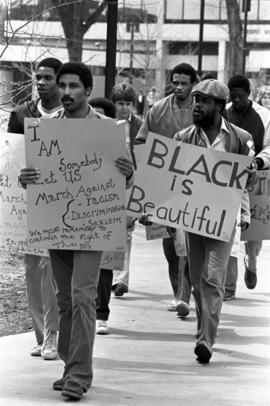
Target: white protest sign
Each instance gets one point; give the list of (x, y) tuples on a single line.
[(13, 197), (79, 201), (190, 187), (156, 231), (113, 260), (259, 196)]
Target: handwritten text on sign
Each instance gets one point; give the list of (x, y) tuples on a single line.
[(189, 187), (79, 201), (12, 195), (259, 197)]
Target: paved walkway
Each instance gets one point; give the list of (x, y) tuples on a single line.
[(148, 357)]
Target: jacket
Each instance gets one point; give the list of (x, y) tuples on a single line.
[(17, 116)]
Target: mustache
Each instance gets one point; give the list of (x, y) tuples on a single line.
[(66, 98)]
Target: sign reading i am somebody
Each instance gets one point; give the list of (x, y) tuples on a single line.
[(79, 201)]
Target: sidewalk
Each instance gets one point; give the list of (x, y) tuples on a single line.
[(148, 360)]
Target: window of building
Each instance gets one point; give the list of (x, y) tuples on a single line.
[(214, 10), (191, 48), (174, 9), (264, 10)]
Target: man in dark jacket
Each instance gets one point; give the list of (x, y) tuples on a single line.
[(255, 119), (39, 281)]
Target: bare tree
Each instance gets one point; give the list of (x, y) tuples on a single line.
[(235, 46), (76, 19)]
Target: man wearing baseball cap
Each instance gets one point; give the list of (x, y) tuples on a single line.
[(208, 257)]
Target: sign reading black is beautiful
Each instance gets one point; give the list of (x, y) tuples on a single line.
[(79, 201), (190, 187)]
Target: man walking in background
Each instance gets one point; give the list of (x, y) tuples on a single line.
[(39, 280), (255, 119), (166, 117), (124, 99)]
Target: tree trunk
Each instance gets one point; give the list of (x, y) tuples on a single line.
[(235, 46), (76, 20)]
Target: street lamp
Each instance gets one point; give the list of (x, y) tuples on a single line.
[(201, 38), (246, 9)]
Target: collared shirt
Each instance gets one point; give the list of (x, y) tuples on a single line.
[(165, 118), (219, 142)]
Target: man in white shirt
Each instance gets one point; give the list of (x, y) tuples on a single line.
[(39, 280)]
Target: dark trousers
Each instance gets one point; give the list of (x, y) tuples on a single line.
[(104, 294), (178, 271)]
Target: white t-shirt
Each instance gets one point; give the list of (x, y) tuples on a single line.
[(48, 113)]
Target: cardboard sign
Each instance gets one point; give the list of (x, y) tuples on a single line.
[(79, 201), (259, 197), (156, 231), (13, 197), (113, 260), (190, 187)]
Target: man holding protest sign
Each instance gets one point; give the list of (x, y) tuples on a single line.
[(76, 272), (208, 257), (166, 117), (39, 281), (255, 119)]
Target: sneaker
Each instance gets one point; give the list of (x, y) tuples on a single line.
[(59, 384), (73, 390), (102, 327), (172, 306), (182, 309), (120, 289), (36, 351), (49, 347), (250, 279), (203, 351), (228, 296)]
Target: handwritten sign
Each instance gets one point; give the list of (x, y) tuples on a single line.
[(13, 196), (156, 231), (113, 260), (79, 201), (259, 197), (189, 187)]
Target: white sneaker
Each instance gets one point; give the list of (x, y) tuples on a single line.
[(102, 327), (36, 351), (49, 347), (172, 306)]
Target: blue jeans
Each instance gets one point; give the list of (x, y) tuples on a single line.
[(76, 274)]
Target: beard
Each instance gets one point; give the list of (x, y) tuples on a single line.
[(204, 120)]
